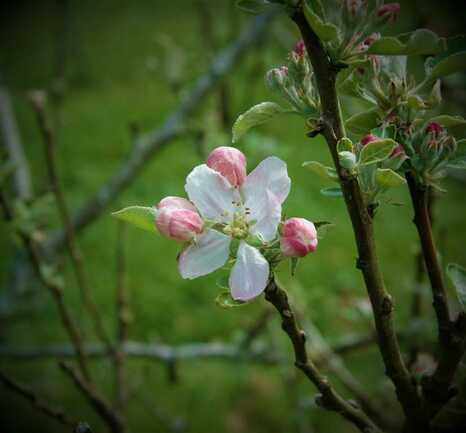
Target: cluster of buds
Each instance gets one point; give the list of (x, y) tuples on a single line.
[(359, 14), (369, 138), (295, 82)]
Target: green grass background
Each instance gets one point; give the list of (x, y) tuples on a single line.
[(110, 84)]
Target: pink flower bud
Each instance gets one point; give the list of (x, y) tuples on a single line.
[(178, 224), (434, 128), (389, 12), (397, 150), (176, 202), (229, 162), (300, 48), (369, 138), (299, 237)]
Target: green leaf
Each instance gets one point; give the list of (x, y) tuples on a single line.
[(449, 65), (331, 192), (345, 144), (448, 121), (260, 113), (327, 173), (387, 178), (362, 123), (420, 42), (376, 151), (139, 216), (458, 160), (326, 31), (457, 276), (251, 6), (225, 300), (322, 227)]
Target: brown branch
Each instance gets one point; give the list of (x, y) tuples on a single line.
[(123, 318), (451, 333), (382, 304), (98, 402), (152, 142), (54, 288), (329, 398), (58, 414), (49, 138)]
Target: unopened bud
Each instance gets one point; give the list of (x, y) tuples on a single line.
[(178, 224), (300, 48), (299, 237), (389, 12), (434, 129), (276, 78), (230, 163), (369, 138)]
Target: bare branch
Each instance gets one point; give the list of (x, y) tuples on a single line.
[(98, 402), (37, 402), (149, 144), (49, 138), (329, 398)]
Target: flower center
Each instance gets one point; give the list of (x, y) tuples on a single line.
[(239, 227)]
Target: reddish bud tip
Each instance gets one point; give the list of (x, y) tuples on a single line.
[(369, 138)]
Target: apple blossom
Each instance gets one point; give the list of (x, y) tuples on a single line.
[(249, 214), (299, 237), (229, 162)]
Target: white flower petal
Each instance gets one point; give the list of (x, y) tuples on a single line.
[(266, 210), (209, 253), (271, 174), (250, 273), (211, 193)]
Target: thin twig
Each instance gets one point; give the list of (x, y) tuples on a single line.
[(368, 263), (98, 402), (38, 100), (123, 318), (58, 414), (54, 288), (451, 333), (152, 142), (329, 398)]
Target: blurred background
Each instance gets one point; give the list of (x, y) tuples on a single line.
[(114, 71)]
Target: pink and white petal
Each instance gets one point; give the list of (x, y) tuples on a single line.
[(209, 253), (211, 193), (267, 212), (250, 273), (271, 174)]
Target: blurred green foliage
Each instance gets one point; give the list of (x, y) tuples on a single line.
[(115, 75)]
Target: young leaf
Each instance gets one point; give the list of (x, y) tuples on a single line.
[(458, 160), (448, 121), (331, 192), (362, 123), (225, 300), (376, 151), (324, 30), (345, 144), (420, 42), (457, 276), (387, 178), (139, 216), (322, 227), (260, 113), (449, 65), (321, 170)]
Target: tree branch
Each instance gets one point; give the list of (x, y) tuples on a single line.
[(329, 398), (451, 333), (149, 144), (98, 402), (382, 305), (54, 288), (58, 414), (49, 138)]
